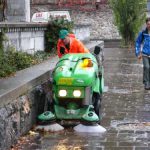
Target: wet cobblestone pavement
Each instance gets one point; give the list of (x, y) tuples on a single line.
[(125, 112)]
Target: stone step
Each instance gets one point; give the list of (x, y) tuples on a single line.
[(112, 43)]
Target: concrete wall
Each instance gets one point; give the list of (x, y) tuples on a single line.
[(18, 10), (30, 37), (30, 41)]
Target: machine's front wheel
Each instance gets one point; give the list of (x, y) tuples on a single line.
[(97, 104), (49, 103), (97, 108)]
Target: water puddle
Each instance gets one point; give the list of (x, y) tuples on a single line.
[(120, 91), (106, 88), (130, 125), (136, 65)]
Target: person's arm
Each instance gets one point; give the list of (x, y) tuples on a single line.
[(138, 43), (58, 49), (82, 48), (61, 49)]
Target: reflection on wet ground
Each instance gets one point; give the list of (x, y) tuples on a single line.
[(125, 112)]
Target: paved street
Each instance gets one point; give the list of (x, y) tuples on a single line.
[(125, 112)]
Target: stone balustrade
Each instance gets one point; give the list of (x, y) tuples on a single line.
[(29, 37)]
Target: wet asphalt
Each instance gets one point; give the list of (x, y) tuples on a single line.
[(125, 111)]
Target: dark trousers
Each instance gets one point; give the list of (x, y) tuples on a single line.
[(146, 70)]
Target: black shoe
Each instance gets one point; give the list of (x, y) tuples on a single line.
[(147, 87)]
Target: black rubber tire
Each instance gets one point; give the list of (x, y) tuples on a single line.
[(49, 102), (97, 108), (88, 123), (47, 122), (97, 98)]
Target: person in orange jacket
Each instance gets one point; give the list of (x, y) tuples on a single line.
[(69, 44)]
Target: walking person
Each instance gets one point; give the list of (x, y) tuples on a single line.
[(142, 51)]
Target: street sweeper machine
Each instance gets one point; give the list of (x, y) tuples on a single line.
[(78, 85)]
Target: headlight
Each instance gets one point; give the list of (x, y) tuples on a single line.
[(76, 93), (62, 93)]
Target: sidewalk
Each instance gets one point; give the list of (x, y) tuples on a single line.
[(125, 111)]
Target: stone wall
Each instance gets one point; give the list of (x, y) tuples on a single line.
[(102, 23), (19, 115), (15, 119), (43, 1), (56, 1), (101, 19)]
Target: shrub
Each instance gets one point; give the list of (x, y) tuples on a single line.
[(12, 61), (41, 56), (129, 16), (6, 69), (23, 60)]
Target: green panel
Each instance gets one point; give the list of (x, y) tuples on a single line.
[(77, 56), (97, 86), (70, 72), (102, 81), (102, 84), (62, 113), (48, 115), (78, 114)]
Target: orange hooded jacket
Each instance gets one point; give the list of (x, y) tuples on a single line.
[(75, 46)]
